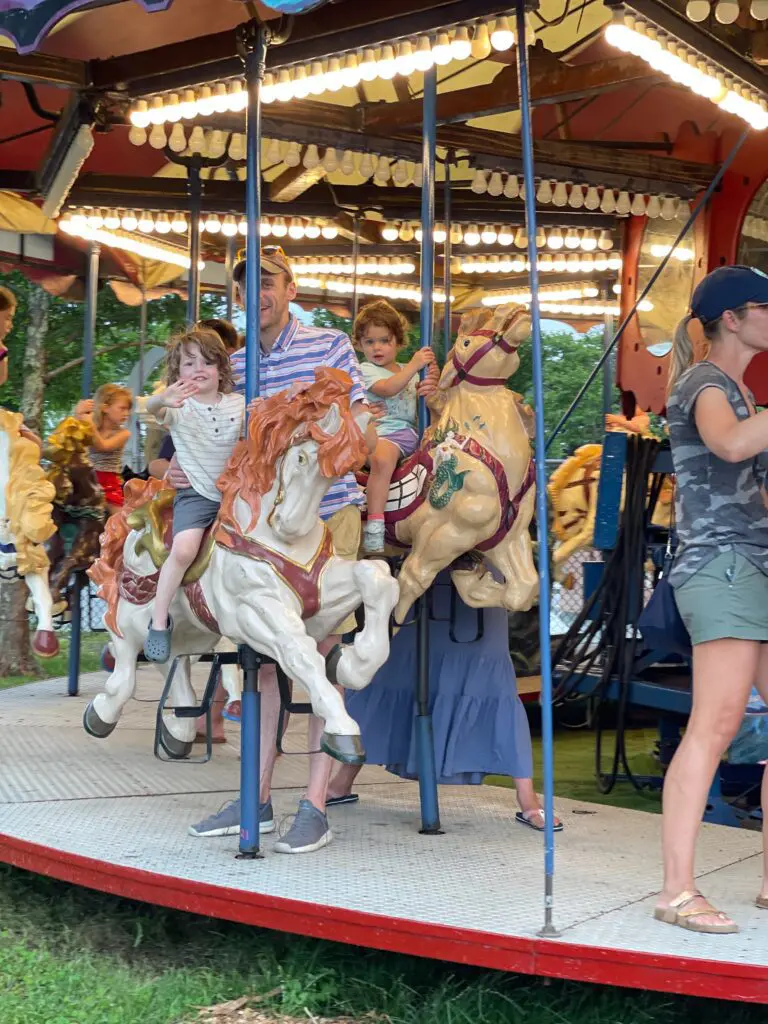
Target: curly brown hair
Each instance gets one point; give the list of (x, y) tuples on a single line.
[(213, 350), (380, 314)]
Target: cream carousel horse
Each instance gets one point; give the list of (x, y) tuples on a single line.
[(266, 576), (25, 524), (469, 489)]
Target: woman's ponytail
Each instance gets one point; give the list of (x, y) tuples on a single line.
[(682, 352)]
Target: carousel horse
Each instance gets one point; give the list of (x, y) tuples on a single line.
[(26, 523), (573, 491), (79, 510), (469, 490), (266, 576)]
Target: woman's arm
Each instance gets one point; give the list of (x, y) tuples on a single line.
[(721, 430), (109, 444)]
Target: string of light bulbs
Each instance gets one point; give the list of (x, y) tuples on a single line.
[(400, 57), (379, 289), (131, 244), (577, 197), (558, 263), (177, 223), (506, 235), (386, 265), (726, 11), (552, 304), (687, 67)]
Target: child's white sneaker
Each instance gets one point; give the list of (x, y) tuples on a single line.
[(373, 536)]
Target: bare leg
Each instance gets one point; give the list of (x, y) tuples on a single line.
[(319, 764), (184, 550), (383, 461), (761, 682), (270, 712), (723, 674), (528, 800), (342, 782), (217, 721)]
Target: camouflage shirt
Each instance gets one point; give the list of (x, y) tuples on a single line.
[(718, 505)]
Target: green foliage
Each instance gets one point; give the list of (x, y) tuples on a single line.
[(116, 324)]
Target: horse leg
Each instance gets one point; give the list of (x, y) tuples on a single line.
[(354, 665), (433, 550), (177, 734), (45, 643), (513, 557), (102, 714)]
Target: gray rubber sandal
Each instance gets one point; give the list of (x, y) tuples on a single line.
[(157, 646)]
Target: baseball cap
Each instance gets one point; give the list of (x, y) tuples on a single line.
[(273, 261), (728, 288)]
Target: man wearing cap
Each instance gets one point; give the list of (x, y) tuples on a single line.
[(290, 354)]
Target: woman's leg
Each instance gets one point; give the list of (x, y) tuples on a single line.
[(723, 674), (761, 682), (528, 800), (383, 462), (184, 550)]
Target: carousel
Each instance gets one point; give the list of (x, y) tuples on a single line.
[(482, 167)]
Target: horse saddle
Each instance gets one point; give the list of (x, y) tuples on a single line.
[(154, 520)]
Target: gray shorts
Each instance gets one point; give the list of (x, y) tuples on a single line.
[(193, 511), (727, 597)]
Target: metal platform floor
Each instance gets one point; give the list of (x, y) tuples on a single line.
[(107, 815)]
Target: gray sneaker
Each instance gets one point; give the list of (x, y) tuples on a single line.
[(226, 821), (373, 536), (308, 832)]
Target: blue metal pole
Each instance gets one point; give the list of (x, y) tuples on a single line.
[(250, 729), (193, 281), (447, 255), (425, 746), (77, 582), (542, 521), (229, 285)]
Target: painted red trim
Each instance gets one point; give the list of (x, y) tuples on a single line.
[(549, 957)]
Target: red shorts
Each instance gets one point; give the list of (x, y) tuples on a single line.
[(112, 485)]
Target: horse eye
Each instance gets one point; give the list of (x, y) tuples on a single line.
[(466, 343)]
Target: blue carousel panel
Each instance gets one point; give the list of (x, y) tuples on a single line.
[(27, 22)]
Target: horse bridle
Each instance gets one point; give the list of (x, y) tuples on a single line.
[(495, 340)]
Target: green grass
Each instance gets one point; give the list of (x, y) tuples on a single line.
[(70, 956), (90, 653)]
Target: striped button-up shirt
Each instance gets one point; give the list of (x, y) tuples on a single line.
[(296, 354)]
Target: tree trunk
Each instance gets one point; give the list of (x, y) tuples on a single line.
[(34, 359), (16, 657)]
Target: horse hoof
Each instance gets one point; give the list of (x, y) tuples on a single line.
[(94, 726), (332, 659), (347, 749), (177, 750), (45, 643), (107, 659)]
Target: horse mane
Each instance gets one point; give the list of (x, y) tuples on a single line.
[(281, 421), (108, 567), (28, 498), (69, 442)]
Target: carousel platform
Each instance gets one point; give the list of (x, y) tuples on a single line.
[(107, 815)]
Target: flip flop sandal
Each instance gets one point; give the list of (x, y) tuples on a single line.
[(523, 819), (232, 712), (337, 801), (762, 902), (199, 738), (679, 913), (157, 646)]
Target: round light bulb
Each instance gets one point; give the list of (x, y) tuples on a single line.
[(573, 262), (350, 72), (505, 236), (608, 202), (137, 136), (727, 11), (146, 223), (489, 235), (479, 183), (576, 198), (312, 230), (229, 226), (348, 162), (669, 208), (295, 229), (422, 57), (139, 116), (237, 147), (502, 37), (637, 209), (368, 65), (157, 110), (267, 93), (292, 156), (329, 231), (283, 86), (560, 194), (129, 221), (179, 224), (279, 227), (316, 78), (404, 61), (217, 144), (94, 220), (367, 166), (333, 79), (330, 160), (205, 105), (177, 140), (605, 241), (440, 233), (623, 203), (572, 239), (592, 198), (386, 67), (653, 208), (111, 220), (441, 51), (188, 106), (157, 138), (265, 228), (196, 140), (401, 175), (511, 187), (389, 232), (472, 235), (311, 157), (544, 192), (220, 98), (162, 224), (521, 238), (495, 185), (237, 99), (555, 239), (481, 42), (406, 232), (588, 241), (301, 82), (383, 171), (212, 224), (456, 234)]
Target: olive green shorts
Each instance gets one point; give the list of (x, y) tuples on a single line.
[(728, 597)]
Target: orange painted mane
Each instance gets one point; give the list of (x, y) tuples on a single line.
[(279, 422)]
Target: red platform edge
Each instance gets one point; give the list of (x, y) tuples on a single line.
[(552, 958)]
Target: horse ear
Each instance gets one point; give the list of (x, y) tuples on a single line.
[(514, 324), (471, 320), (331, 423)]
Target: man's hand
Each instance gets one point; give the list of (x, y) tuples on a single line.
[(176, 476), (428, 386)]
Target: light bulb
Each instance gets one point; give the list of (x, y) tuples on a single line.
[(592, 198), (588, 260), (572, 239), (608, 202), (560, 194), (333, 79), (418, 174), (472, 235), (576, 198), (265, 228), (637, 209), (461, 47), (489, 235), (419, 234), (279, 227), (177, 140), (283, 86), (145, 224), (312, 230), (220, 98), (229, 226), (137, 136), (422, 57), (502, 37), (139, 116), (267, 92), (588, 241), (237, 147), (367, 165), (350, 72), (292, 156), (212, 224), (614, 261), (237, 99), (111, 220), (727, 11), (330, 160), (481, 42), (386, 67), (400, 175), (295, 229), (479, 182), (406, 232), (653, 209), (759, 10), (456, 234), (383, 171), (162, 224), (605, 241), (511, 187), (205, 101), (179, 224), (573, 262), (623, 203), (521, 238), (311, 157), (368, 65), (196, 140), (329, 231), (544, 191), (129, 221), (441, 51), (545, 262), (669, 208), (555, 239), (188, 106), (505, 235), (301, 82), (404, 61), (217, 143), (541, 238), (389, 232), (157, 110), (348, 162), (94, 220), (173, 108), (495, 185), (440, 233), (316, 78)]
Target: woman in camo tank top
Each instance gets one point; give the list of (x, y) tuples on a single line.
[(720, 575)]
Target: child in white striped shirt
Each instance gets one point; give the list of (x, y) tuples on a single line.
[(205, 421)]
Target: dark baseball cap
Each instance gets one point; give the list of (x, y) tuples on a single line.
[(728, 288), (273, 261)]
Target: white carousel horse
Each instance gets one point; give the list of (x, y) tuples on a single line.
[(267, 575), (469, 490), (25, 524)]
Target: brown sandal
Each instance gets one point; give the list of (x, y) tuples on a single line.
[(762, 902), (679, 913)]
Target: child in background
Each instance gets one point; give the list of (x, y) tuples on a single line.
[(379, 332), (206, 421), (112, 406)]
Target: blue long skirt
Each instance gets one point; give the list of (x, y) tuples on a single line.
[(480, 726)]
